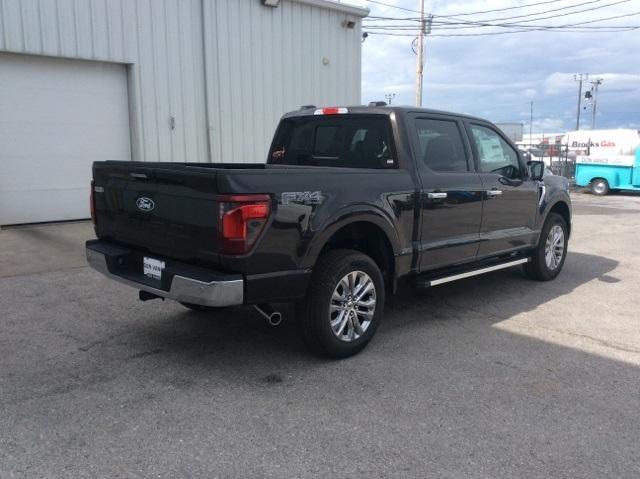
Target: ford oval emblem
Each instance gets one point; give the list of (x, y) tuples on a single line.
[(145, 204)]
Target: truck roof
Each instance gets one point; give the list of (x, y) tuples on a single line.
[(377, 110)]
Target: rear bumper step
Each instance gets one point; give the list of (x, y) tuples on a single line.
[(434, 280), (183, 283)]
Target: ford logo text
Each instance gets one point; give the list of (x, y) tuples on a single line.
[(145, 204)]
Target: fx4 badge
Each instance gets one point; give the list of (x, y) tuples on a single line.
[(301, 197)]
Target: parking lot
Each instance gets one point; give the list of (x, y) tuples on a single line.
[(496, 376)]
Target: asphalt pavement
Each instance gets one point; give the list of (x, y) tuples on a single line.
[(491, 377)]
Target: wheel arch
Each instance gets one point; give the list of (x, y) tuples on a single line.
[(561, 207), (370, 233)]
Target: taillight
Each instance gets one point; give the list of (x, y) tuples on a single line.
[(92, 203), (242, 219)]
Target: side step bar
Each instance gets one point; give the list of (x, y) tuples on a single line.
[(434, 281)]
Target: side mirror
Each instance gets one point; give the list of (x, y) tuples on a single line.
[(536, 170)]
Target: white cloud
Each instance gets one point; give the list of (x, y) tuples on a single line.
[(548, 125), (498, 76)]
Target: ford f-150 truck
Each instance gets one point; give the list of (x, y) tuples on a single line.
[(350, 200)]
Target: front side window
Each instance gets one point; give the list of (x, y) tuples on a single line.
[(495, 155), (441, 145), (349, 141)]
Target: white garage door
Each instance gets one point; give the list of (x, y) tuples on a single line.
[(57, 117)]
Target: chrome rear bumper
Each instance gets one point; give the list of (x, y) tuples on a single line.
[(226, 292)]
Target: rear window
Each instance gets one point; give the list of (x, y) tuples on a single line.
[(348, 141)]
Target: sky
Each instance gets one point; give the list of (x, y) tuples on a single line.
[(497, 76)]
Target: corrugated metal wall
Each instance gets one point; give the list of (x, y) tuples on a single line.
[(266, 61), (257, 62)]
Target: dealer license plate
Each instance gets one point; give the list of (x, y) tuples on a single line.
[(152, 268)]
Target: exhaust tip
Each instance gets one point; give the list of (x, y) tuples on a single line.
[(274, 318)]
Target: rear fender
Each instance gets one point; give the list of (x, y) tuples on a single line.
[(347, 216)]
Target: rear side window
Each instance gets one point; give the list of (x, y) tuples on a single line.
[(441, 145), (348, 141)]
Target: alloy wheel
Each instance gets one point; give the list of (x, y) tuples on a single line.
[(352, 306), (554, 247)]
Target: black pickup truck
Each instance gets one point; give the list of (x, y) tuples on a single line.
[(350, 200)]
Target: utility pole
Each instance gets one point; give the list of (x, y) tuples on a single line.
[(389, 97), (425, 29), (531, 123), (420, 60), (580, 77), (595, 83)]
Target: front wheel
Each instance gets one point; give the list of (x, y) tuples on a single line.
[(600, 187), (344, 304), (548, 258)]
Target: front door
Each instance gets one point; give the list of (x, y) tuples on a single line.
[(451, 192), (510, 196)]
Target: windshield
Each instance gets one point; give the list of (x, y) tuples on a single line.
[(348, 141)]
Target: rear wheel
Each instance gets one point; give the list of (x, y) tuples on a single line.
[(600, 187), (344, 304), (548, 258)]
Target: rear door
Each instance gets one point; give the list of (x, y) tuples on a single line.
[(510, 196), (450, 193)]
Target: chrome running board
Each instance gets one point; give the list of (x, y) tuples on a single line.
[(467, 274)]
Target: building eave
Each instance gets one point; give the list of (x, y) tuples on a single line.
[(336, 6)]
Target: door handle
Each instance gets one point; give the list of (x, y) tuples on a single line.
[(436, 195), (492, 193)]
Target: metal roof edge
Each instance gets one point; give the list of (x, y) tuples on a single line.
[(337, 6)]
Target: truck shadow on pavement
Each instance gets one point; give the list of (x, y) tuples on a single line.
[(501, 295), (438, 387), (493, 297), (237, 345)]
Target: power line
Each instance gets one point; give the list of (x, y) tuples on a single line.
[(497, 33), (444, 26), (506, 8), (488, 22), (394, 6), (571, 27), (526, 15), (470, 13), (545, 18)]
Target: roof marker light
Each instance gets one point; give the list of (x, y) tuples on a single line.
[(330, 111)]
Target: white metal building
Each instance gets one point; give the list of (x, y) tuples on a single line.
[(156, 80)]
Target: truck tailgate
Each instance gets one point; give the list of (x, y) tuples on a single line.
[(165, 208)]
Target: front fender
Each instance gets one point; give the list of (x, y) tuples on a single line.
[(556, 193)]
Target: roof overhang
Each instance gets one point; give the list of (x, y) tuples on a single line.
[(336, 6)]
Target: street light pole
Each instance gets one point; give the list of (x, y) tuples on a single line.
[(531, 123), (596, 83)]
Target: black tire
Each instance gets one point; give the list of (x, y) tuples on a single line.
[(200, 308), (314, 314), (599, 187), (537, 268)]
